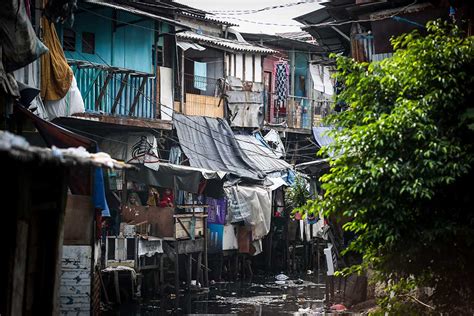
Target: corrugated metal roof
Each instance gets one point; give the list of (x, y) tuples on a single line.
[(133, 10), (262, 156), (223, 43), (18, 147), (207, 17), (187, 45)]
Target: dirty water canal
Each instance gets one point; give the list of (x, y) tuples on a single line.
[(299, 295)]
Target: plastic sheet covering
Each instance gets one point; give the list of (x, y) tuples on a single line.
[(180, 177), (273, 138), (17, 37), (260, 153), (252, 205), (71, 103), (209, 143), (29, 75)]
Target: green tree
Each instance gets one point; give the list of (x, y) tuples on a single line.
[(403, 173)]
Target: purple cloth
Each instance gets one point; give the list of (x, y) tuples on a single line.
[(217, 210)]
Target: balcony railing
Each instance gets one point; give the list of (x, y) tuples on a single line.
[(297, 112), (115, 91)]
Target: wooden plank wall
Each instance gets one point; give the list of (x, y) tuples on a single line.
[(75, 286), (180, 233), (203, 105)]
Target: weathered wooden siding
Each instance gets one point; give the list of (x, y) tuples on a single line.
[(203, 105), (75, 286)]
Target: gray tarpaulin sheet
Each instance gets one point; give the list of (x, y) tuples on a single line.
[(261, 155), (180, 177), (209, 143), (252, 205)]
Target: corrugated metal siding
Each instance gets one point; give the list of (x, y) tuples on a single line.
[(263, 157), (379, 57), (75, 286), (91, 79)]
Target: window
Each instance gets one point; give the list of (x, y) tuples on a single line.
[(157, 56), (69, 40), (88, 43)]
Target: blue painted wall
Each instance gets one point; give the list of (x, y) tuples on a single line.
[(130, 46), (102, 28), (133, 44)]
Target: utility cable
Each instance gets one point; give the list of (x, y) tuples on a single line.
[(188, 125)]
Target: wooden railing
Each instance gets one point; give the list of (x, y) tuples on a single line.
[(116, 91)]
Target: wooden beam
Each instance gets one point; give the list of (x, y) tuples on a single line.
[(182, 226), (137, 96), (126, 121), (103, 89), (119, 93)]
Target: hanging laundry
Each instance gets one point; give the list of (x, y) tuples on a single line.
[(56, 75), (71, 103), (281, 83)]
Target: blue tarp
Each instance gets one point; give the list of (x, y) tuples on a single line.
[(100, 202)]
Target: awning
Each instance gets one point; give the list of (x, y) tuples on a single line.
[(187, 45), (183, 178), (209, 143)]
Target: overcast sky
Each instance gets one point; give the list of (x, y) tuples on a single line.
[(276, 16)]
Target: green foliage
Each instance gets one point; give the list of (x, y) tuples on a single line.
[(404, 170), (297, 195)]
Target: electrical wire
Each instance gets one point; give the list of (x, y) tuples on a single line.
[(190, 126), (280, 6)]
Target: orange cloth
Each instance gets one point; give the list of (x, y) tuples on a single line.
[(56, 75)]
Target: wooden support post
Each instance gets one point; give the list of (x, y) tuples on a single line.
[(181, 99), (162, 272), (102, 90), (137, 96), (249, 267), (117, 287), (119, 93), (331, 288), (270, 250), (176, 269), (206, 265), (189, 270), (199, 268)]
